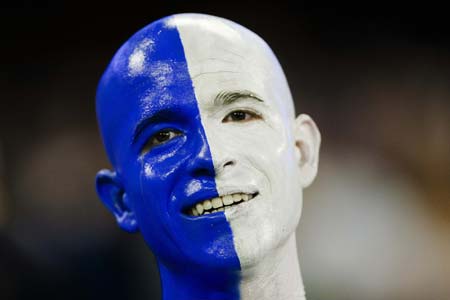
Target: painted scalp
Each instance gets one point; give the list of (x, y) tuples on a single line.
[(138, 64)]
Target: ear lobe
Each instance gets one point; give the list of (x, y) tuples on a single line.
[(116, 200), (307, 141)]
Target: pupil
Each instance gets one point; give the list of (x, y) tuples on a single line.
[(162, 136), (238, 115)]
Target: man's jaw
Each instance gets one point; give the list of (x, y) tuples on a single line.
[(219, 204)]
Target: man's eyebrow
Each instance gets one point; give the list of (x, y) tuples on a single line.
[(228, 97)]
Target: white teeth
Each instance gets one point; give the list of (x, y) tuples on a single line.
[(217, 202), (194, 211), (199, 208), (237, 198), (227, 200), (207, 204)]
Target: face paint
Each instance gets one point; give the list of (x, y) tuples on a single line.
[(153, 131), (194, 107)]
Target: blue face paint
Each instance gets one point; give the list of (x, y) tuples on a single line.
[(147, 89)]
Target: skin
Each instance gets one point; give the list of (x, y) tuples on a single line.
[(190, 108)]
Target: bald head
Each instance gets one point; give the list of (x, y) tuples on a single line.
[(195, 109)]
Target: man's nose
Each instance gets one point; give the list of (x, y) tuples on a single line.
[(222, 165), (201, 162)]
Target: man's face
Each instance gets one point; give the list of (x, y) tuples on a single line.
[(203, 142)]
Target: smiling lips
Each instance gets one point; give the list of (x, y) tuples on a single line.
[(219, 204)]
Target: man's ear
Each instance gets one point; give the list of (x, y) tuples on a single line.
[(116, 200), (307, 142)]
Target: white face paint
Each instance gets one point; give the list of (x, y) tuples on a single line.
[(258, 155)]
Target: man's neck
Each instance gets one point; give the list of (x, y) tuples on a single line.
[(198, 284), (276, 277)]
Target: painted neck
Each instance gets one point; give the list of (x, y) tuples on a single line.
[(193, 285), (277, 277)]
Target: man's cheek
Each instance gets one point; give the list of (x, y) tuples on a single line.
[(157, 169)]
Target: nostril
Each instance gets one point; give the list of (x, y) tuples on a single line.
[(228, 163), (221, 167), (202, 172)]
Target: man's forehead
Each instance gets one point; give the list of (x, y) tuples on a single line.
[(219, 55), (222, 55)]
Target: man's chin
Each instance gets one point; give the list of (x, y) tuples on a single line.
[(215, 262), (257, 243), (209, 251)]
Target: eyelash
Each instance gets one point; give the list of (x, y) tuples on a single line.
[(247, 116), (153, 141)]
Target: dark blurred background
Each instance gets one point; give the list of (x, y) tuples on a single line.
[(374, 75)]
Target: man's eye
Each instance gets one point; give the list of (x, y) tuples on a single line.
[(241, 116), (159, 138)]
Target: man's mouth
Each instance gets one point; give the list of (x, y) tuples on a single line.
[(218, 204)]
